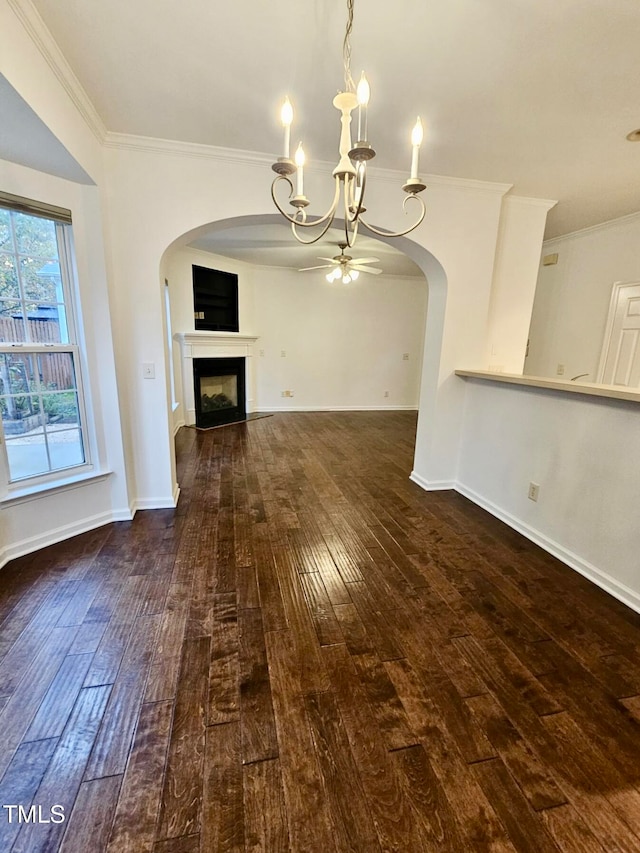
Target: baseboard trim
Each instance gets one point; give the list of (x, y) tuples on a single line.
[(156, 503), (432, 485), (261, 409), (59, 534), (177, 426), (600, 578)]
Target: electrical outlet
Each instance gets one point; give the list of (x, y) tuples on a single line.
[(261, 352), (149, 370), (405, 356), (286, 393), (386, 393), (560, 370), (534, 491), (283, 353)]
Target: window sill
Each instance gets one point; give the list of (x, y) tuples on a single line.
[(31, 493)]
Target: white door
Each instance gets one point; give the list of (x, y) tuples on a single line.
[(620, 358)]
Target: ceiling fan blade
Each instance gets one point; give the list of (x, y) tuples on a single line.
[(372, 270), (365, 261), (333, 260), (321, 267)]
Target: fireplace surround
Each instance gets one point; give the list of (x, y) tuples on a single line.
[(197, 346)]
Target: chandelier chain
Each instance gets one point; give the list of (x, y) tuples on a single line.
[(346, 49)]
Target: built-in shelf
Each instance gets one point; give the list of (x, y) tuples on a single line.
[(615, 392)]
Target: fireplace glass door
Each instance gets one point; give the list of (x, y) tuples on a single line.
[(219, 385)]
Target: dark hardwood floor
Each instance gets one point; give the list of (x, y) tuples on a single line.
[(313, 655)]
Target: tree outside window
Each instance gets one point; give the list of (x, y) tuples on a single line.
[(40, 393)]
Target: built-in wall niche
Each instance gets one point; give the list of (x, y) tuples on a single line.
[(215, 300)]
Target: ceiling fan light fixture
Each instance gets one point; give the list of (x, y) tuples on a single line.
[(350, 172), (634, 136)]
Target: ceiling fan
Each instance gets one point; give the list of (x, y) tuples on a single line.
[(345, 267)]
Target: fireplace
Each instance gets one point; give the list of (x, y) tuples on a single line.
[(220, 347), (219, 388)]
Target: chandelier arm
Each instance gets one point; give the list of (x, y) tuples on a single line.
[(350, 236), (383, 233), (302, 222), (294, 223)]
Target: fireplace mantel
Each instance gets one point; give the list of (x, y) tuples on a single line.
[(213, 345)]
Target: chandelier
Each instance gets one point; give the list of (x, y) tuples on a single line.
[(350, 174)]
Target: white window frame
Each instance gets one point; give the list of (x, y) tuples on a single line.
[(60, 476)]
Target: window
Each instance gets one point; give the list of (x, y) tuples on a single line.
[(40, 388)]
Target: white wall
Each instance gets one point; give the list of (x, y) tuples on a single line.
[(522, 226), (583, 453), (344, 345), (572, 297)]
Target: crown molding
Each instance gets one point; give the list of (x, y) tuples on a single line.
[(393, 175), (593, 229), (39, 34), (152, 145), (546, 203)]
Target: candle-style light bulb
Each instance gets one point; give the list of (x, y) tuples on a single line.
[(363, 93), (300, 160), (286, 117), (417, 135)]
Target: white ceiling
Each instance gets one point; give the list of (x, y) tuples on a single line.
[(273, 245), (538, 93)]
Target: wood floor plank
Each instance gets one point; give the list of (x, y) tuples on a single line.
[(265, 818), (17, 714), (524, 826), (390, 808), (111, 749), (431, 809), (134, 824), (384, 702), (258, 730), (223, 807), (570, 832), (324, 619), (20, 783), (181, 807), (62, 779), (59, 699), (479, 824), (538, 784), (223, 704), (311, 654), (89, 824), (351, 819), (301, 777)]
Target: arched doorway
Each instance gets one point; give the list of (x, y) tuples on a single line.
[(430, 268)]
